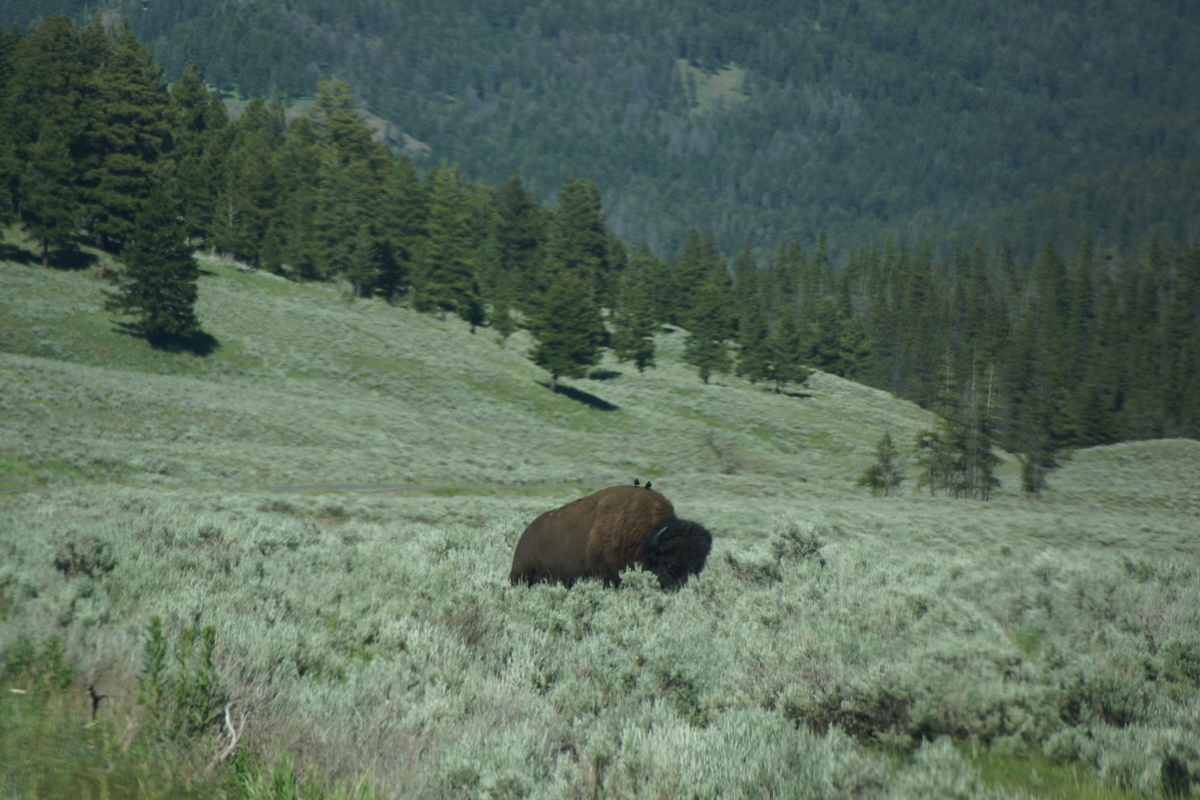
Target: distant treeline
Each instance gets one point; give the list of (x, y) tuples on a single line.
[(923, 120), (1080, 348)]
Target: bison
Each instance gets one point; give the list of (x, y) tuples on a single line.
[(606, 532)]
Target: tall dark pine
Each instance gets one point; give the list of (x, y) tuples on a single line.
[(158, 287), (568, 329), (707, 347), (199, 121), (47, 98), (50, 206), (700, 263), (521, 232), (578, 243), (634, 321), (752, 324), (447, 280), (783, 346), (129, 135)]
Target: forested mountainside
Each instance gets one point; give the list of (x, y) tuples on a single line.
[(764, 122)]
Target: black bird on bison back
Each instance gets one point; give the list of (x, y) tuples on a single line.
[(599, 535)]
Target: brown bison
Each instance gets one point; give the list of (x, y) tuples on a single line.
[(606, 532)]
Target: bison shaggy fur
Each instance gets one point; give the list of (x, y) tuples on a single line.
[(608, 531)]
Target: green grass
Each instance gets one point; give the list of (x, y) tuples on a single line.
[(1037, 776), (836, 645)]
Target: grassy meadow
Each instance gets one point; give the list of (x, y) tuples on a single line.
[(312, 527)]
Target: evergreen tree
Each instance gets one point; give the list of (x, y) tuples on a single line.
[(784, 348), (958, 457), (158, 285), (522, 233), (568, 329), (127, 138), (48, 88), (978, 437), (941, 452), (700, 264), (707, 347), (199, 122), (752, 325), (915, 328), (887, 472), (835, 341), (578, 244), (250, 194), (447, 280), (299, 160), (50, 207), (500, 316), (634, 322), (404, 222)]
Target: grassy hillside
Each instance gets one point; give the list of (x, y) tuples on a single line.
[(838, 645)]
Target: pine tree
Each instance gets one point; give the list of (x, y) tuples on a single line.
[(707, 346), (128, 137), (447, 281), (578, 243), (47, 99), (158, 287), (752, 326), (887, 472), (941, 452), (404, 223), (958, 457), (981, 407), (835, 341), (522, 234), (700, 264), (299, 159), (50, 206), (199, 123), (634, 322), (568, 329), (784, 349)]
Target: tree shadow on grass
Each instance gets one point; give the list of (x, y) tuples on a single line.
[(68, 260), (786, 393), (73, 260), (584, 397), (199, 343), (17, 254), (604, 375)]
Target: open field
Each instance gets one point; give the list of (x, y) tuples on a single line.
[(337, 489)]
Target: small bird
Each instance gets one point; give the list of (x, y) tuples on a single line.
[(636, 482), (647, 484)]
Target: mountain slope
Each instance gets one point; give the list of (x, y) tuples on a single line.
[(861, 119)]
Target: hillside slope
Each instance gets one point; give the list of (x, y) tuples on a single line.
[(763, 123), (308, 388)]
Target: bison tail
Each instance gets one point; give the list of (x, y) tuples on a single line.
[(674, 550)]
